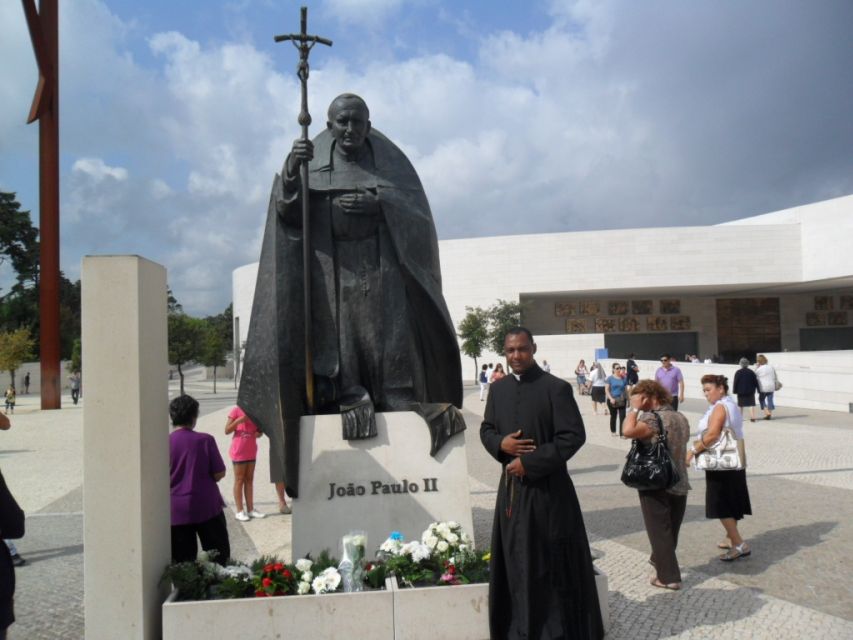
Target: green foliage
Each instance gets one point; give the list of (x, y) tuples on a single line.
[(18, 240), (503, 315), (474, 331), (375, 573), (190, 579), (76, 362), (16, 347), (172, 304), (223, 325), (213, 348), (186, 335)]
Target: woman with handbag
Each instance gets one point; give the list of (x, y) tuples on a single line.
[(650, 418), (726, 493), (617, 397)]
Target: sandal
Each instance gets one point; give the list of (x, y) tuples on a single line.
[(740, 551), (672, 586)]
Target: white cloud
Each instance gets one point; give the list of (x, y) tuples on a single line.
[(614, 114), (97, 170)]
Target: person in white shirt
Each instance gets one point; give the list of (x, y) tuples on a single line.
[(598, 379), (768, 382)]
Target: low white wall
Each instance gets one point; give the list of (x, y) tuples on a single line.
[(811, 379), (34, 369)]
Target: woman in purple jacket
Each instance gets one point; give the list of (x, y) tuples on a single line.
[(195, 466)]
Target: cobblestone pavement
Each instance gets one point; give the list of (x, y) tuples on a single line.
[(797, 584)]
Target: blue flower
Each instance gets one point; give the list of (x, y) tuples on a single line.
[(396, 535)]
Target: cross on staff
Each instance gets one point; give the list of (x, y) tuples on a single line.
[(304, 43)]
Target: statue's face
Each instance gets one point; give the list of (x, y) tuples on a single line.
[(349, 125)]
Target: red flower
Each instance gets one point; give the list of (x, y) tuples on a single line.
[(260, 593), (278, 566), (286, 573), (268, 568), (267, 582), (368, 567), (451, 570)]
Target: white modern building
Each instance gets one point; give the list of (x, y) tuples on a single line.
[(774, 283)]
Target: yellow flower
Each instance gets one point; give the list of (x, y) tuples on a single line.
[(487, 556)]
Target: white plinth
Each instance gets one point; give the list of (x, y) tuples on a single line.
[(125, 446), (383, 484)]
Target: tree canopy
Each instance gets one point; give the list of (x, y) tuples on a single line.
[(16, 347)]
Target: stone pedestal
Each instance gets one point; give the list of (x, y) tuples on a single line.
[(125, 446), (382, 484)]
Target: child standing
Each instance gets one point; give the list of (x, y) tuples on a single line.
[(243, 453), (10, 400)]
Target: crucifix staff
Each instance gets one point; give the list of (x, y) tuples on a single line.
[(304, 43)]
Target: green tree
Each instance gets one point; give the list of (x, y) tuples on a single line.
[(16, 347), (223, 324), (18, 240), (503, 316), (213, 349), (76, 361), (172, 304), (474, 331), (185, 341)]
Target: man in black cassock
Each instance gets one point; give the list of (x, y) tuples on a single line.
[(542, 582)]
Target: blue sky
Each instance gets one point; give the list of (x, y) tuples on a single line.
[(521, 117)]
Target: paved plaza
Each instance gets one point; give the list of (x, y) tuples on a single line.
[(797, 583)]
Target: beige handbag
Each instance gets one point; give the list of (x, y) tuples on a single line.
[(726, 454)]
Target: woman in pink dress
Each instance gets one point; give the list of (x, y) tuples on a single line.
[(243, 452)]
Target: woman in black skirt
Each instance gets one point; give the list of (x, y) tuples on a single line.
[(745, 386), (726, 494)]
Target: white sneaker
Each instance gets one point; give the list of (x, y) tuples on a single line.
[(257, 514), (242, 516)]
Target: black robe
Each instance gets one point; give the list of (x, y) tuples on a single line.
[(407, 281), (542, 582)]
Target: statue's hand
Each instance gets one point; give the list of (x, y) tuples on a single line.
[(302, 151), (361, 203)]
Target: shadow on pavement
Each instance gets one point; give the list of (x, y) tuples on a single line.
[(769, 548), (621, 521), (707, 607), (33, 557), (574, 471)]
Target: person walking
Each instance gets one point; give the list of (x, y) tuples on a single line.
[(663, 509), (27, 383), (243, 453), (541, 578), (195, 467), (484, 382), (672, 379), (581, 373), (726, 493), (598, 380), (632, 373), (74, 384), (768, 384), (744, 386), (617, 398)]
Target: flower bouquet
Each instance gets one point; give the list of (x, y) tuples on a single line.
[(352, 563)]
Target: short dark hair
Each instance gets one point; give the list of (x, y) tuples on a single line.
[(183, 410), (514, 331), (665, 355)]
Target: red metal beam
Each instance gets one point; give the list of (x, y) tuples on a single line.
[(44, 32)]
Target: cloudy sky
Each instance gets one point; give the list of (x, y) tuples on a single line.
[(520, 117)]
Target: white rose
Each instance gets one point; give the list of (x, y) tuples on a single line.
[(420, 552), (431, 541), (307, 576), (303, 564), (318, 585), (303, 588), (332, 578), (453, 538), (443, 529), (442, 546), (453, 524)]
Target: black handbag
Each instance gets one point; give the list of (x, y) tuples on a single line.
[(650, 466)]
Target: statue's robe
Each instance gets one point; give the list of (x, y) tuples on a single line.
[(379, 319), (542, 584)]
